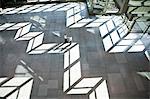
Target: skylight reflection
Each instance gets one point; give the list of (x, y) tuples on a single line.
[(16, 88), (42, 49), (56, 7), (79, 91), (136, 48), (77, 9), (35, 42), (92, 95), (12, 12), (119, 49), (81, 23), (3, 79), (117, 20), (28, 36), (107, 43), (70, 12), (126, 42), (110, 25), (94, 24), (17, 81), (38, 40), (74, 54), (66, 81), (66, 8), (14, 95), (133, 36), (32, 0), (103, 30), (70, 21), (25, 91), (88, 82), (75, 73), (17, 26), (6, 90), (115, 37), (6, 25), (6, 10), (77, 17), (102, 91)]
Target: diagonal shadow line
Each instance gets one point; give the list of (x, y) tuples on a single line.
[(28, 33), (7, 27), (19, 87), (15, 12), (21, 31), (39, 8), (71, 65), (121, 38), (74, 16), (34, 42), (73, 11), (59, 7), (77, 60), (135, 42), (57, 46), (47, 8), (100, 24), (35, 8), (9, 10), (116, 28), (30, 9), (30, 70), (68, 49), (74, 21), (68, 69), (8, 79), (46, 50), (72, 86), (11, 26), (97, 85), (130, 12), (25, 8)]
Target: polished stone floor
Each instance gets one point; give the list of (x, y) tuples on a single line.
[(120, 70)]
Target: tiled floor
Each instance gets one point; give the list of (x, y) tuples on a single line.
[(118, 69)]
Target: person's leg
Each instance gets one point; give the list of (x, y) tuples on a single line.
[(66, 41)]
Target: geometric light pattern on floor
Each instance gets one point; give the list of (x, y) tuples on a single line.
[(12, 26), (112, 29), (100, 92), (35, 44), (16, 87), (40, 8), (74, 83), (119, 40)]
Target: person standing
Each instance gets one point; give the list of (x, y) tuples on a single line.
[(65, 38)]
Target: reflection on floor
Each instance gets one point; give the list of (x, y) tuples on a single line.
[(116, 74)]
